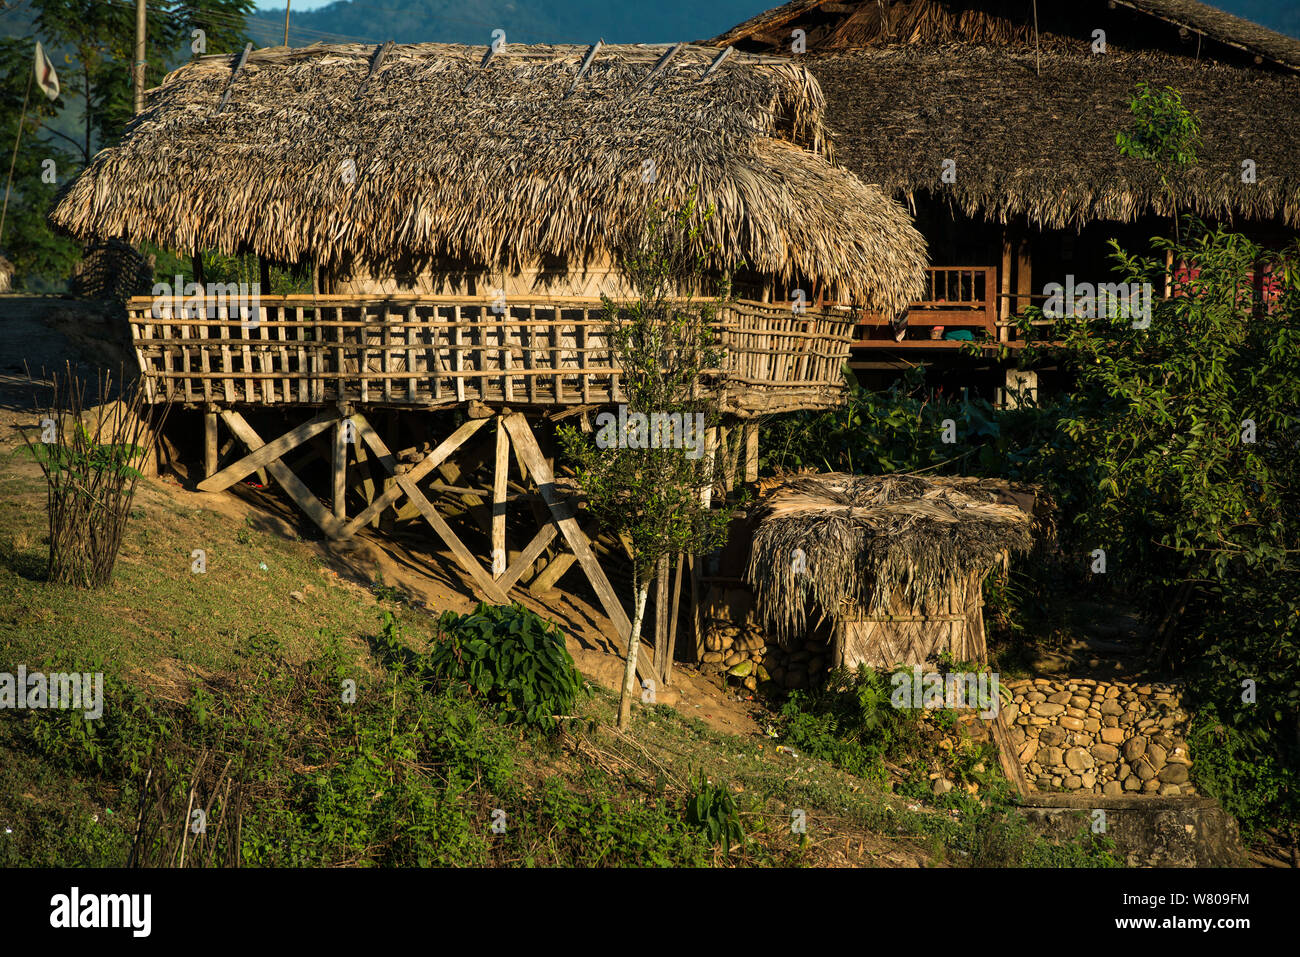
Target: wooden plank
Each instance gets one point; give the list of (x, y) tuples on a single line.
[(291, 484), (522, 435), (209, 444), (529, 555), (547, 578), (462, 554), (264, 453), (416, 474), (339, 467), (405, 482), (1024, 275), (500, 475), (751, 452), (230, 84), (377, 445), (673, 616), (1004, 288)]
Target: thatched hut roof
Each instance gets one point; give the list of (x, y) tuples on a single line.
[(1129, 25), (344, 156), (847, 543), (1044, 145)]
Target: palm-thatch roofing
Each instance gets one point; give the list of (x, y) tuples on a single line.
[(1044, 145), (845, 544), (356, 155), (1030, 117), (837, 25)]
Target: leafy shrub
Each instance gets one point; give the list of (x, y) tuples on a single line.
[(511, 657), (712, 808)]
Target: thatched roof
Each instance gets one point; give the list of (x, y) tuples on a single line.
[(498, 164), (1044, 145), (842, 542), (1130, 25)]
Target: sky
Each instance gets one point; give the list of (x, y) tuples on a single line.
[(293, 4)]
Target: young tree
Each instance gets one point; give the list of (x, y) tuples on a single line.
[(647, 473)]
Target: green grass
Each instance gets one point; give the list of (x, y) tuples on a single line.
[(224, 686)]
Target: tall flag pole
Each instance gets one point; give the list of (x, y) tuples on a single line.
[(138, 67), (44, 75)]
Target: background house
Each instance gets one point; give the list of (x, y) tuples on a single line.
[(1019, 102)]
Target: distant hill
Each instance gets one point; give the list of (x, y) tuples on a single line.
[(577, 21), (525, 21)]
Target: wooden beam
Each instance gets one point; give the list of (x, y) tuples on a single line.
[(659, 66), (529, 555), (717, 62), (1004, 300), (500, 475), (416, 474), (339, 467), (375, 64), (586, 64), (408, 485), (522, 435), (291, 484), (1024, 275), (263, 454), (547, 578), (210, 456), (462, 554), (751, 451)]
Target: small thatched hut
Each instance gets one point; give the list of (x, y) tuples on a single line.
[(453, 170), (896, 562)]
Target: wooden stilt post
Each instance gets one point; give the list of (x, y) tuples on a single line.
[(388, 517), (521, 434), (1024, 275), (210, 456), (1004, 300), (673, 615), (343, 430), (661, 618), (262, 454), (500, 476), (272, 451), (751, 451)]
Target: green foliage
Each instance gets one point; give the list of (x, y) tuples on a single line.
[(1163, 129), (664, 342), (298, 774), (900, 429), (850, 722), (712, 809), (510, 657), (91, 44), (1239, 770)]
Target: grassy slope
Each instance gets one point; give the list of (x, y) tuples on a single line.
[(166, 631)]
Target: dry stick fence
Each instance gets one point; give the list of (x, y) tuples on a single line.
[(431, 352)]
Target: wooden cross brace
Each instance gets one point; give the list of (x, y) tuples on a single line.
[(513, 431)]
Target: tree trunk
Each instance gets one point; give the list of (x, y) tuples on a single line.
[(633, 645)]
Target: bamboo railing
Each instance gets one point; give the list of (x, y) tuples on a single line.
[(431, 352)]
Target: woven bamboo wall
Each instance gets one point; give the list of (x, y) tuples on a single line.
[(437, 351), (907, 634)]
